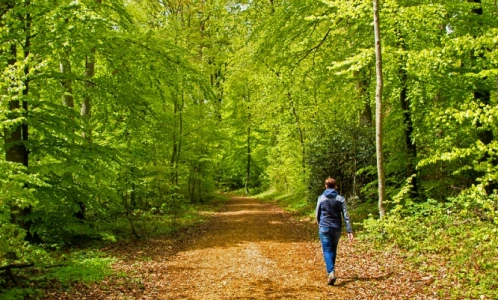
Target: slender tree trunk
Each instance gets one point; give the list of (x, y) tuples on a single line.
[(175, 137), (15, 149), (68, 100), (180, 139), (407, 118), (411, 147), (301, 135), (482, 95), (362, 84), (86, 106), (25, 92), (248, 165), (248, 168), (67, 85), (378, 110), (217, 79), (15, 141)]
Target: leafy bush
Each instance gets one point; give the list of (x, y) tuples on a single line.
[(462, 231), (15, 198)]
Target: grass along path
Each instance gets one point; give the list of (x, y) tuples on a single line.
[(251, 250)]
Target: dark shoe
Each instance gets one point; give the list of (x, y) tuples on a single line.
[(332, 278)]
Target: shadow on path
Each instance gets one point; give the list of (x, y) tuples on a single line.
[(249, 220)]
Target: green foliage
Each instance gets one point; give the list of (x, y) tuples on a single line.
[(461, 231), (293, 203), (190, 98), (342, 155), (84, 267), (20, 293), (14, 198)]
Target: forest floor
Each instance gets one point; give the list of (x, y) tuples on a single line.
[(251, 250)]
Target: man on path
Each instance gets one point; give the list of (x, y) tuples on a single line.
[(330, 209)]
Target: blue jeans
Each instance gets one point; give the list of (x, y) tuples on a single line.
[(330, 239)]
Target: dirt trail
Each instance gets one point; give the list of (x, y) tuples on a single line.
[(250, 251), (253, 250)]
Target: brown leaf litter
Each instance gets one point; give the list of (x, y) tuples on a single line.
[(250, 250)]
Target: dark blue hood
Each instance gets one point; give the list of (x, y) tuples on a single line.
[(330, 193)]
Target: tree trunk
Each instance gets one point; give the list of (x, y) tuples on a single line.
[(248, 168), (378, 110), (180, 139), (67, 84), (177, 139), (248, 165), (174, 141), (86, 106), (482, 96), (362, 83), (301, 135), (15, 140), (68, 100), (15, 150), (411, 147)]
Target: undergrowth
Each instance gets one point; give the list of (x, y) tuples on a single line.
[(456, 241), (293, 203), (82, 263)]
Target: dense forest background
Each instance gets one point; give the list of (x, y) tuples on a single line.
[(118, 111)]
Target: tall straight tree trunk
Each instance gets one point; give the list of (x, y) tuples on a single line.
[(180, 139), (15, 149), (248, 167), (174, 149), (67, 85), (362, 83), (378, 110), (482, 95), (177, 138), (15, 141), (301, 135), (68, 100), (25, 92), (86, 106), (411, 147)]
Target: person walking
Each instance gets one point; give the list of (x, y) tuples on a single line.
[(330, 209)]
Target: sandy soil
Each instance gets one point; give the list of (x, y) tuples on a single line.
[(252, 250)]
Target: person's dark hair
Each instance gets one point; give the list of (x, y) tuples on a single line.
[(330, 183)]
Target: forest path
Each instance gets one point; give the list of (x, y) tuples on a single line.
[(253, 250)]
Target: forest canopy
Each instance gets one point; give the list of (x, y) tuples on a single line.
[(119, 109)]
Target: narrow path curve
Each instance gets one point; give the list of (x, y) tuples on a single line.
[(251, 250)]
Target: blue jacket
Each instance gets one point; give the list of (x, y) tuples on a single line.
[(330, 208)]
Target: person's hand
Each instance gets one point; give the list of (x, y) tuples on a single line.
[(350, 236)]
